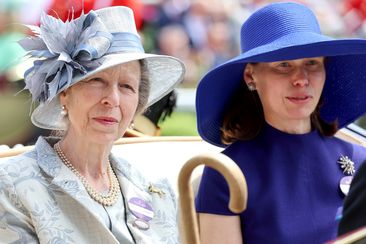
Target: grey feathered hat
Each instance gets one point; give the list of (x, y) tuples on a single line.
[(68, 52)]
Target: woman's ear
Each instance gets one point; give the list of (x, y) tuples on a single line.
[(248, 74), (248, 77), (62, 97)]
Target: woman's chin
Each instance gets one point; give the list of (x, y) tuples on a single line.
[(103, 137), (300, 114)]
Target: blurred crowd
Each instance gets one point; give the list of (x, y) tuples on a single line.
[(202, 33)]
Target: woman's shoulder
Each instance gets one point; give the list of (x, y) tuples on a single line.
[(15, 171), (260, 149), (23, 161), (238, 145), (356, 149), (239, 148), (28, 162)]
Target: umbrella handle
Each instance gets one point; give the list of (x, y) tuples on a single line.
[(232, 174)]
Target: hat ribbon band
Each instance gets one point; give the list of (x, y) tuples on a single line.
[(125, 42)]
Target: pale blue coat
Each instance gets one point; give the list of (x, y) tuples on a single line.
[(42, 201)]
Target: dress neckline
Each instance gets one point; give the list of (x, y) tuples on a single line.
[(271, 131)]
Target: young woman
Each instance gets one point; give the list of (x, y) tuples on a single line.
[(276, 108)]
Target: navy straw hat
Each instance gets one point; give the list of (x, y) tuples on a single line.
[(286, 31)]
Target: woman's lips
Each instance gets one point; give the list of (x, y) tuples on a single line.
[(300, 99), (106, 120)]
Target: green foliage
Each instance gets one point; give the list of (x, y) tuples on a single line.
[(179, 124), (15, 122), (362, 122)]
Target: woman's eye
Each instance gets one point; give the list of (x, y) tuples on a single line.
[(284, 65), (127, 86), (95, 81), (314, 64)]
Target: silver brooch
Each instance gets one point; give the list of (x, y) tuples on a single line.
[(347, 165)]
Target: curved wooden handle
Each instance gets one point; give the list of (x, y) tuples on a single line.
[(351, 237), (233, 175)]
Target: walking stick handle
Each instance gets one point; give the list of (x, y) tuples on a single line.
[(232, 174)]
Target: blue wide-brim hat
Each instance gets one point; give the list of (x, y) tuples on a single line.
[(286, 31)]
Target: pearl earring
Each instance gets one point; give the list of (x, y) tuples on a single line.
[(251, 87), (63, 111)]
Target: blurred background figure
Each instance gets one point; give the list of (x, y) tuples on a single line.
[(199, 32), (148, 122), (62, 8), (172, 39), (15, 126)]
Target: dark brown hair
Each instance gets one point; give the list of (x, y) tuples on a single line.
[(244, 118)]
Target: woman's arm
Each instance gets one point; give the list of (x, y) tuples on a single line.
[(219, 229), (15, 224)]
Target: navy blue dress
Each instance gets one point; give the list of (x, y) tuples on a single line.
[(293, 186)]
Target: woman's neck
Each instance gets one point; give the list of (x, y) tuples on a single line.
[(302, 126), (89, 158)]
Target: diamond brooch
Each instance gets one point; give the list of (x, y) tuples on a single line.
[(347, 165)]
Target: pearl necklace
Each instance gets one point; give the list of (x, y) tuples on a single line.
[(105, 199)]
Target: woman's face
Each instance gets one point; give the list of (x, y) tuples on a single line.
[(101, 107), (289, 90)]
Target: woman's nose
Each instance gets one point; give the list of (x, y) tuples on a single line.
[(111, 97), (300, 78)]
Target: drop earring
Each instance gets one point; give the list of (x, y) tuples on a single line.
[(131, 126), (251, 87), (63, 111)]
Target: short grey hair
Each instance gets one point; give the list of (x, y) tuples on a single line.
[(144, 87)]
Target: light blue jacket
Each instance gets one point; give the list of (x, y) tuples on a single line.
[(41, 201)]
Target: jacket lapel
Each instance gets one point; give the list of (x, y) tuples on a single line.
[(62, 179), (138, 201)]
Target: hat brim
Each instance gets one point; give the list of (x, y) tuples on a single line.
[(164, 73), (344, 93), (302, 45)]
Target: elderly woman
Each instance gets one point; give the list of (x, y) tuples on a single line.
[(91, 78)]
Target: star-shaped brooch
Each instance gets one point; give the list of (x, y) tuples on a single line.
[(347, 165)]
